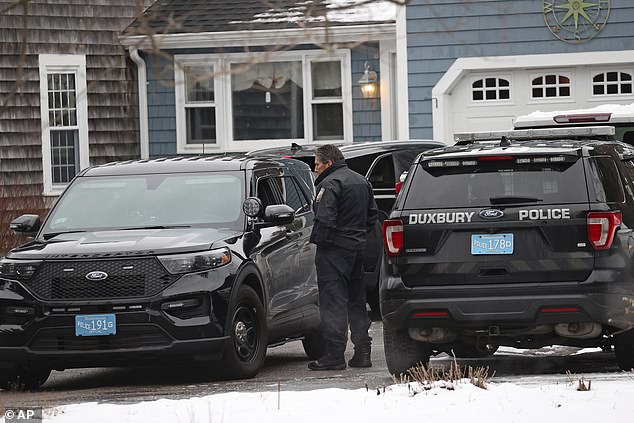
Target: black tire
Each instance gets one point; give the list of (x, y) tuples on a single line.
[(21, 379), (373, 301), (402, 352), (471, 351), (314, 345), (244, 356), (624, 350)]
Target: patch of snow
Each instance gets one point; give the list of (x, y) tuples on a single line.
[(457, 401), (341, 11)]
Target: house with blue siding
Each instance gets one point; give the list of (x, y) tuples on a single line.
[(469, 65), (219, 77)]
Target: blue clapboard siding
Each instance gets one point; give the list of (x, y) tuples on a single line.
[(441, 31), (161, 106), (366, 112), (162, 109)]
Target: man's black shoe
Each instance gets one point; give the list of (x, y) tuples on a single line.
[(361, 358), (328, 363)]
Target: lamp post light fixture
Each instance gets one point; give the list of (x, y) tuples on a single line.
[(369, 82)]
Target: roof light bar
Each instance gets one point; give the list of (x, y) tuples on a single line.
[(450, 163), (536, 134), (583, 118)]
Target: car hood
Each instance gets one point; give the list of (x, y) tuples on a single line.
[(126, 243)]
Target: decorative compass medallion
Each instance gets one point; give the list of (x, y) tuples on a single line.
[(575, 21)]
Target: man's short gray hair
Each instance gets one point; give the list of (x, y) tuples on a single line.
[(328, 153)]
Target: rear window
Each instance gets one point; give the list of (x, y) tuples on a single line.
[(606, 180), (497, 183)]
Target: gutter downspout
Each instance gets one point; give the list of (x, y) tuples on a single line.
[(144, 137)]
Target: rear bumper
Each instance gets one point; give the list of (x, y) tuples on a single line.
[(517, 305)]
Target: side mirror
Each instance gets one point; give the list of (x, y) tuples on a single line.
[(27, 224), (279, 214)]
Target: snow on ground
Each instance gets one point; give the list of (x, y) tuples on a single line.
[(441, 402)]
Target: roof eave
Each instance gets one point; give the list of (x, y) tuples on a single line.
[(282, 37)]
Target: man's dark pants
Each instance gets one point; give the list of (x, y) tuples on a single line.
[(341, 299)]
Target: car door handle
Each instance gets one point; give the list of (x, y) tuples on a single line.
[(293, 235)]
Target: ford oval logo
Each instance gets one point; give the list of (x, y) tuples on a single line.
[(491, 214), (96, 276)]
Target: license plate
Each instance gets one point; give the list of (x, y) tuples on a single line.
[(492, 244), (95, 325)]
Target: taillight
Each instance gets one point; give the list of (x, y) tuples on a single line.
[(601, 228), (393, 236), (398, 187)]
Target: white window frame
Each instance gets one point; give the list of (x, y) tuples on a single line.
[(557, 99), (223, 97), (497, 101), (63, 63), (182, 62), (604, 97)]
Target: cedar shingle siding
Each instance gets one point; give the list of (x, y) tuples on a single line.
[(85, 27)]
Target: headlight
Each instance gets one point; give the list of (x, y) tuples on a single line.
[(18, 269), (196, 262)]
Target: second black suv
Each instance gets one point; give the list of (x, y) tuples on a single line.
[(191, 259), (382, 163), (519, 238)]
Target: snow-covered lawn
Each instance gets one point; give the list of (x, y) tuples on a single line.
[(609, 401)]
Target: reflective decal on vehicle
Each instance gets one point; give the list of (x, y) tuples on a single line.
[(544, 214), (426, 218)]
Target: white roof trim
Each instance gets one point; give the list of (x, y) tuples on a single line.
[(333, 34)]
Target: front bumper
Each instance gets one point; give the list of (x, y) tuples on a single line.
[(183, 322)]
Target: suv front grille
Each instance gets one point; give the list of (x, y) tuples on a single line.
[(129, 278), (127, 337)]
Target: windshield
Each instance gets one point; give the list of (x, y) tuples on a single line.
[(156, 200), (497, 183)]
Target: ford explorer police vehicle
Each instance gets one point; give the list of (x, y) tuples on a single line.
[(177, 260), (518, 238)]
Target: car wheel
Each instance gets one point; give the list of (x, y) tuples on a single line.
[(314, 345), (402, 352), (462, 350), (23, 379), (624, 350), (245, 352)]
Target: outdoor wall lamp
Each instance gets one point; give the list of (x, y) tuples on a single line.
[(369, 82)]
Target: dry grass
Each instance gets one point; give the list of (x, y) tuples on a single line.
[(427, 376), (582, 385)]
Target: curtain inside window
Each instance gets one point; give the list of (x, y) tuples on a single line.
[(271, 75)]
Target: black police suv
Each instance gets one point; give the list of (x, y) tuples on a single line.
[(382, 163), (191, 259), (521, 239)]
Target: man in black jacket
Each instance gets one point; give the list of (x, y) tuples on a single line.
[(344, 211)]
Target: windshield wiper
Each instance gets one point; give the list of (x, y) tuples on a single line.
[(50, 235), (509, 199), (135, 228)]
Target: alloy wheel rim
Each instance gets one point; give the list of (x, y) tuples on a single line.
[(245, 333)]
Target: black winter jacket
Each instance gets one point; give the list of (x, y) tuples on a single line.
[(344, 206)]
